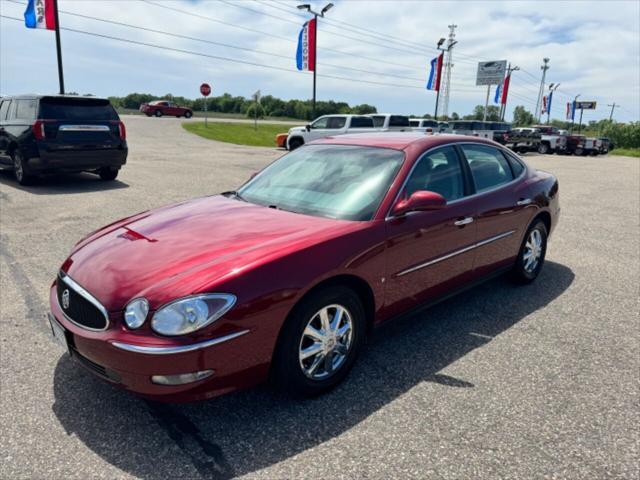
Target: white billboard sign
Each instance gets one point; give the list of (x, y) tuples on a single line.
[(491, 73)]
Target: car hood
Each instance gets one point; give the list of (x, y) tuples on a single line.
[(184, 247), (297, 129)]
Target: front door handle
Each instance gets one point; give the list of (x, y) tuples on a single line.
[(463, 221), (523, 201)]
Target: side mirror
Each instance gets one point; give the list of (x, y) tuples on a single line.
[(419, 201), (308, 127), (253, 175)]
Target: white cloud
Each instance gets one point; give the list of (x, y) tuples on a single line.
[(594, 49)]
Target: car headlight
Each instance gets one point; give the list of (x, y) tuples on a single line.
[(189, 314), (136, 312)]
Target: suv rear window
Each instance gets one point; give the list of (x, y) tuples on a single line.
[(76, 109)]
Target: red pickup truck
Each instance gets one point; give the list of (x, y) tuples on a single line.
[(159, 108)]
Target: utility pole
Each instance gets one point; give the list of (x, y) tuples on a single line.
[(544, 69), (58, 47), (448, 65), (613, 106), (315, 14)]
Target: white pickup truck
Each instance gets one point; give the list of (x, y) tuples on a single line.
[(551, 139), (329, 125)]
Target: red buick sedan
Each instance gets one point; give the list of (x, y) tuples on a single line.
[(284, 277)]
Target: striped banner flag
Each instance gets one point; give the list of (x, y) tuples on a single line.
[(40, 14), (306, 52), (436, 72)]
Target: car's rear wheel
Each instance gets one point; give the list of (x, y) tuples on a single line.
[(188, 115), (532, 253), (108, 174), (295, 143), (20, 169), (158, 113), (319, 342), (578, 151)]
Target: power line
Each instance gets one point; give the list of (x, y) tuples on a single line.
[(217, 57)]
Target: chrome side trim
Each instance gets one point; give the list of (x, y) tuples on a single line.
[(178, 349), (453, 254), (83, 128), (87, 296)]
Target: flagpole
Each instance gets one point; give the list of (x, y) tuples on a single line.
[(58, 47), (315, 64)]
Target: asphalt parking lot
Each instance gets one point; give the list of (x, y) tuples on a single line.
[(540, 381)]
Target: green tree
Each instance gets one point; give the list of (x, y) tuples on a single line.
[(522, 117), (493, 113)]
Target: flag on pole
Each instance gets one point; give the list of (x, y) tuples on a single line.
[(544, 105), (571, 110), (436, 72), (498, 95), (549, 102), (306, 52), (40, 14), (505, 89)]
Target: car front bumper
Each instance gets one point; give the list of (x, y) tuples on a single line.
[(130, 361)]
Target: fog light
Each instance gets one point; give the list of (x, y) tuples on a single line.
[(182, 378)]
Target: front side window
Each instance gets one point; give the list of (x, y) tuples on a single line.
[(335, 181), (488, 166), (320, 123), (438, 171)]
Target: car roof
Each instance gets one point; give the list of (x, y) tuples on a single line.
[(398, 140), (54, 95)]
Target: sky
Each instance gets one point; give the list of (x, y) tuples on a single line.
[(381, 49)]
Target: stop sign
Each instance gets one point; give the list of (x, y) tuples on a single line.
[(205, 89)]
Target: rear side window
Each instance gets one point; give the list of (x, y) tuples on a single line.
[(488, 166), (516, 165), (4, 108), (26, 109), (76, 109), (398, 121), (361, 122), (336, 122), (414, 123)]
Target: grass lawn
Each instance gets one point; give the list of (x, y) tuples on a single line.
[(627, 152), (238, 133)]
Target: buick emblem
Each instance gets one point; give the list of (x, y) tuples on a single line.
[(65, 299)]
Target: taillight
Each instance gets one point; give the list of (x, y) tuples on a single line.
[(121, 130), (38, 130)]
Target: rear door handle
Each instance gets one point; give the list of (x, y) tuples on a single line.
[(523, 201), (463, 221)]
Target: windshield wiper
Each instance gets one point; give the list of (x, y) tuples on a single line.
[(233, 193)]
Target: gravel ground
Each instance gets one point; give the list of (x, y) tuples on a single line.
[(528, 382)]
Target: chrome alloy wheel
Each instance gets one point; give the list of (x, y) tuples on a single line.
[(326, 342), (17, 167), (532, 250)]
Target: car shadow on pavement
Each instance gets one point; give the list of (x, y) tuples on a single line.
[(60, 184), (250, 430)]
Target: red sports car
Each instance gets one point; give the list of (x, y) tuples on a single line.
[(159, 108), (284, 277)]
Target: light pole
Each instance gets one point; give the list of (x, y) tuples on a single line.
[(573, 112), (544, 69), (327, 7), (443, 50), (552, 88)]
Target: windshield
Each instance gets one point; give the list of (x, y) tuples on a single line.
[(335, 181)]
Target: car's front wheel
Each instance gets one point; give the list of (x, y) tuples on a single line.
[(20, 169), (532, 253), (158, 113), (319, 342), (295, 143), (543, 148)]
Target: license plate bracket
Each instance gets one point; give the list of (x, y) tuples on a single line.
[(59, 333)]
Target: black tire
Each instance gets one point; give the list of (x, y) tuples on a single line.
[(578, 151), (107, 174), (543, 149), (20, 169), (148, 114), (295, 143), (188, 115), (158, 113), (522, 272), (287, 370)]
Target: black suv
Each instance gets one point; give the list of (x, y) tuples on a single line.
[(57, 133)]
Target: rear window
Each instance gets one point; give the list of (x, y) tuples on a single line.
[(77, 109), (398, 121), (26, 109), (361, 122)]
